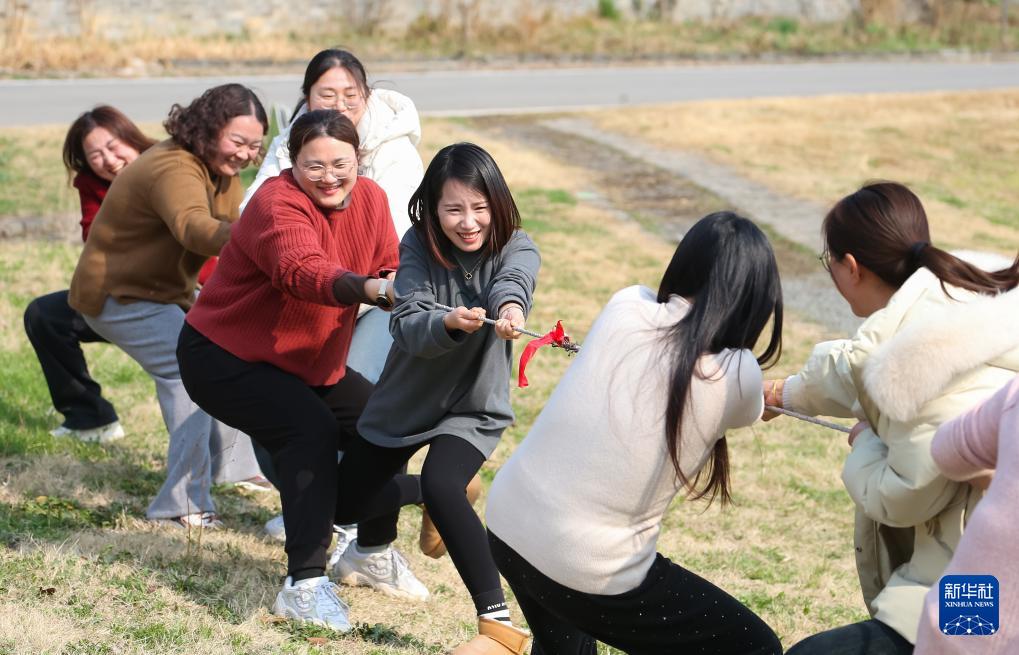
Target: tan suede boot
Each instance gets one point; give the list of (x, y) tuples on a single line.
[(430, 541), (495, 638)]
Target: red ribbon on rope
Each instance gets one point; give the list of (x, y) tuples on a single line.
[(554, 338)]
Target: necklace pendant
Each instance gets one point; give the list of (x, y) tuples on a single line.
[(468, 276)]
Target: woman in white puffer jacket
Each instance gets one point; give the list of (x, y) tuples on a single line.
[(389, 128)]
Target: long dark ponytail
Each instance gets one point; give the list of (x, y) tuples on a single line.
[(726, 265), (884, 226)]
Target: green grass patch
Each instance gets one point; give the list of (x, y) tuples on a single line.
[(51, 518)]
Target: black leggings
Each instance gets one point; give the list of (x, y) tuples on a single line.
[(672, 611), (367, 489), (57, 332), (301, 427)]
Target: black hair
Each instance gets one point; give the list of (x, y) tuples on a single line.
[(726, 266), (474, 167), (196, 127), (884, 226), (325, 61), (321, 122)]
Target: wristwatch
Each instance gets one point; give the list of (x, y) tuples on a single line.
[(381, 299)]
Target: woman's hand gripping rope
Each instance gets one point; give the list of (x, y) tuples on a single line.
[(773, 407), (557, 338)]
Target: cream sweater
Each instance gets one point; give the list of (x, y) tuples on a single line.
[(583, 496)]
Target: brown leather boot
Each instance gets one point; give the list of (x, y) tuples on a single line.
[(495, 638), (430, 541)]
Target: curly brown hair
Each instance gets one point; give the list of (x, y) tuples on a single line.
[(196, 127)]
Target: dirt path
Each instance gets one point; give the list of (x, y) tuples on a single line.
[(666, 191)]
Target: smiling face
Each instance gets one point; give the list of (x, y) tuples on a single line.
[(106, 154), (326, 170), (338, 89), (238, 145), (464, 216)]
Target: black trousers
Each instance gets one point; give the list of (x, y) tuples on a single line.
[(864, 638), (672, 611), (302, 428), (56, 332), (368, 488)]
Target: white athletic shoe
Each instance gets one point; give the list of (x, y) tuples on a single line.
[(345, 535), (386, 571), (102, 434), (196, 521), (312, 600), (274, 528), (258, 484)]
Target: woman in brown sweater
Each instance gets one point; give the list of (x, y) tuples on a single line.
[(161, 219)]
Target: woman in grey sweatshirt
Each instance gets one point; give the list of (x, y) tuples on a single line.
[(446, 379)]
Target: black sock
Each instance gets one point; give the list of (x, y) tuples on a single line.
[(304, 574)]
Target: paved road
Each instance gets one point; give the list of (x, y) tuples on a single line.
[(471, 92)]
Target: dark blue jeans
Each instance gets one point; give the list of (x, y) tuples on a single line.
[(864, 638)]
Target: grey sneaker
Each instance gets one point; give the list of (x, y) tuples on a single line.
[(386, 571), (102, 434), (312, 600)]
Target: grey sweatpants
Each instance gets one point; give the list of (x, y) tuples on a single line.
[(201, 450)]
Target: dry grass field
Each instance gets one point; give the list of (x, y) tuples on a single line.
[(69, 513), (958, 151), (533, 36), (81, 573)]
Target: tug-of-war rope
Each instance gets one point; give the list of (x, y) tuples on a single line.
[(557, 338)]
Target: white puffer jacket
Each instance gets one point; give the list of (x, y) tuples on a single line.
[(389, 131)]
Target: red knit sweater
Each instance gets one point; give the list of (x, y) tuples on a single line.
[(271, 297), (91, 190)]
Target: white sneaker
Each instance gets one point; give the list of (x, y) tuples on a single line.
[(345, 535), (274, 528), (196, 521), (386, 571), (258, 483), (312, 600), (102, 434)]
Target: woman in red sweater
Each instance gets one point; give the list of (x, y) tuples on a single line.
[(264, 349), (99, 145)]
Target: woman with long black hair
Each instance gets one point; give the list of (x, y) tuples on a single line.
[(645, 405)]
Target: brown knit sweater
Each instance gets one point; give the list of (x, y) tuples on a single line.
[(163, 216)]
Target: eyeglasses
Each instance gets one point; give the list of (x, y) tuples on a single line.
[(318, 172), (349, 102), (825, 259)]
